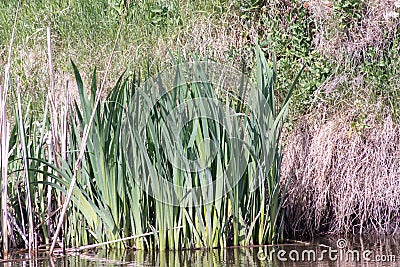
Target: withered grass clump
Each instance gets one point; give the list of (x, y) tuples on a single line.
[(350, 28), (345, 177)]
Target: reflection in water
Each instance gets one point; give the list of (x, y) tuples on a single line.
[(322, 252)]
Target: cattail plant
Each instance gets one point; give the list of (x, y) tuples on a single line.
[(187, 159)]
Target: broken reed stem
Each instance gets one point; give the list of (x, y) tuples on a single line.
[(4, 164), (54, 129), (117, 240), (4, 137), (83, 145), (110, 242)]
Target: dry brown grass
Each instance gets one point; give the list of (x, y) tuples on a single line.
[(376, 27), (219, 38), (345, 176)]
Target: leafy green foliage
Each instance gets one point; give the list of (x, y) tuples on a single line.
[(109, 203), (348, 12), (287, 29)]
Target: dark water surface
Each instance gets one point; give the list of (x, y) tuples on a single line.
[(322, 252)]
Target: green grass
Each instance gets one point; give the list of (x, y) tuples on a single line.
[(85, 31)]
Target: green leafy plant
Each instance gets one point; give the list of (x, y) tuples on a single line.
[(110, 203)]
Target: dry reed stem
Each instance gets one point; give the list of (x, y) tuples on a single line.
[(117, 240), (27, 183), (5, 130), (54, 125), (83, 144)]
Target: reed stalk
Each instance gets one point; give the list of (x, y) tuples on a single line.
[(31, 247), (5, 130), (53, 140), (83, 143)]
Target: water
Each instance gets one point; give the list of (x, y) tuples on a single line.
[(322, 252)]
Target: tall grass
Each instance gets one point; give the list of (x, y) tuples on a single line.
[(232, 198), (88, 28)]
